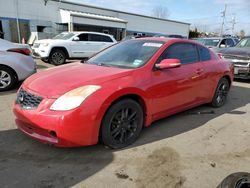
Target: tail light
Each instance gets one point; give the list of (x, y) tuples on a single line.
[(220, 55), (24, 51)]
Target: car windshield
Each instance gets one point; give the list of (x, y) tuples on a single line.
[(64, 36), (128, 54), (208, 42), (244, 43)]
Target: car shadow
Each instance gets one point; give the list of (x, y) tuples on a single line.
[(27, 163)]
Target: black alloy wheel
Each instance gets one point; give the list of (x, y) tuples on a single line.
[(221, 93), (122, 124)]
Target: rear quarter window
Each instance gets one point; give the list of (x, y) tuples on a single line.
[(204, 53)]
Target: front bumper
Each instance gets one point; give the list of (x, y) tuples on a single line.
[(41, 52), (60, 128), (241, 72)]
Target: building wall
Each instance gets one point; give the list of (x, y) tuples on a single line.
[(49, 16)]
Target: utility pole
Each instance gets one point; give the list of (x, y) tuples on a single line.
[(233, 23), (17, 23), (223, 15)]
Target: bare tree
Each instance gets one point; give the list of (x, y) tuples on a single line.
[(160, 12), (242, 34)]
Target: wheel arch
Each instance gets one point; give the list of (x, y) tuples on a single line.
[(8, 67), (136, 96), (60, 48), (228, 79)]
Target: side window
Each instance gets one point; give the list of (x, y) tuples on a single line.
[(83, 37), (185, 52), (230, 42), (223, 42), (106, 39), (204, 53), (95, 38)]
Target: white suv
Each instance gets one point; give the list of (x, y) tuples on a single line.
[(71, 45)]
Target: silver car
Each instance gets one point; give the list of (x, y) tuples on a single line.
[(216, 43), (16, 64)]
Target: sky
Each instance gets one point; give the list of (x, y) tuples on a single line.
[(203, 14)]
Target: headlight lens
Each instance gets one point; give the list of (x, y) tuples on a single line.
[(45, 44), (73, 98)]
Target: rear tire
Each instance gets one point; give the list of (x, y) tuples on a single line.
[(7, 78), (57, 57), (221, 93), (122, 124)]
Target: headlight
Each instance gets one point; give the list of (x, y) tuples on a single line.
[(45, 44), (74, 98)]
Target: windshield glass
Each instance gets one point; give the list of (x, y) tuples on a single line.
[(209, 42), (64, 36), (128, 54), (244, 43)]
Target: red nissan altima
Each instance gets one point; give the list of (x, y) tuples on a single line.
[(116, 93)]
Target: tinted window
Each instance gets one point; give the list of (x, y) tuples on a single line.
[(185, 52), (83, 37), (64, 36), (99, 38), (244, 43), (230, 42), (106, 39), (204, 54)]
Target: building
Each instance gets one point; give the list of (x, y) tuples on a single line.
[(38, 19)]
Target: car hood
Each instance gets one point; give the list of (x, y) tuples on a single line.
[(236, 51), (56, 81), (43, 41)]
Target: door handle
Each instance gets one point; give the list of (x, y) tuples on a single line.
[(199, 71)]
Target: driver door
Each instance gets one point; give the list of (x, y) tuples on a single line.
[(177, 88)]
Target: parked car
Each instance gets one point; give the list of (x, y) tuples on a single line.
[(240, 56), (71, 45), (169, 36), (119, 91), (16, 63), (216, 43)]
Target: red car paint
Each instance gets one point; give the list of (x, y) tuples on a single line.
[(162, 93)]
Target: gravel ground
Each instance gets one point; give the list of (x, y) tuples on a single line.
[(196, 148)]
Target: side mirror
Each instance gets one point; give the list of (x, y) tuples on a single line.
[(76, 39), (168, 64), (222, 46)]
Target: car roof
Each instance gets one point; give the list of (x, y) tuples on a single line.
[(90, 32), (165, 39)]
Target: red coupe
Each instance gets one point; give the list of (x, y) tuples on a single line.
[(112, 96)]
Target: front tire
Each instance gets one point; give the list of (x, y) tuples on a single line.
[(7, 79), (57, 57), (236, 180), (122, 124), (221, 93), (45, 60)]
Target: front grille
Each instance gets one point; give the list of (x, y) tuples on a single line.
[(36, 45), (236, 57), (241, 64), (27, 100)]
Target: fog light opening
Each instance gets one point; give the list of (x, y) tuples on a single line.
[(53, 134)]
